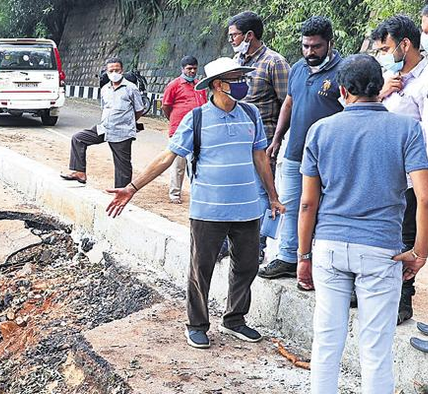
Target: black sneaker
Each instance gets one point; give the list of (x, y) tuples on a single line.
[(405, 309), (261, 256), (278, 269), (242, 332), (197, 338)]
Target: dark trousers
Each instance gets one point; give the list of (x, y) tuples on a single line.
[(409, 230), (205, 243), (121, 154)]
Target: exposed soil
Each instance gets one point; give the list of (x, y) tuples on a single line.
[(73, 321), (50, 293)]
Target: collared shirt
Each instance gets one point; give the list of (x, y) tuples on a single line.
[(315, 95), (182, 96), (412, 100), (268, 85), (119, 106), (225, 187), (362, 156)]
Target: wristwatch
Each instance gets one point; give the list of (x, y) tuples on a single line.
[(304, 256)]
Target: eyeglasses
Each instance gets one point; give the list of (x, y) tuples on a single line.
[(232, 36), (234, 80)]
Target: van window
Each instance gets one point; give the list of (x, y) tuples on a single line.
[(27, 57)]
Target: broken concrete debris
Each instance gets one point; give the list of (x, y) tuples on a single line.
[(50, 293)]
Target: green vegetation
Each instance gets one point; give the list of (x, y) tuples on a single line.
[(352, 19), (34, 18)]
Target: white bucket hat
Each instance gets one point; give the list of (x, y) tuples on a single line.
[(217, 68)]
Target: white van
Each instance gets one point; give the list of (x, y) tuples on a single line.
[(31, 78)]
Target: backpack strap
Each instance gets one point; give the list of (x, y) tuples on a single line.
[(249, 111), (197, 126)]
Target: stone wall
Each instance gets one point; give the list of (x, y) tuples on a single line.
[(90, 36), (95, 33)]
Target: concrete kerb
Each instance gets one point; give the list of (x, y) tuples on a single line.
[(277, 306)]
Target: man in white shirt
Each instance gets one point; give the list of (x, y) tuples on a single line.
[(397, 42)]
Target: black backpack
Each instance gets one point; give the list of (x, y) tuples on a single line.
[(197, 126)]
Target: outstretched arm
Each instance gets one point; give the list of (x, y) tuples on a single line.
[(153, 170)]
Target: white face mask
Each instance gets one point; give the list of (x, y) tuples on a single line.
[(114, 76), (424, 41), (242, 47), (389, 63)]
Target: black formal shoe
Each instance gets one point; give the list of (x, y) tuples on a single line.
[(278, 269), (419, 344), (405, 309), (423, 328)]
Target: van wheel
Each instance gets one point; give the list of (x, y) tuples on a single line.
[(48, 120)]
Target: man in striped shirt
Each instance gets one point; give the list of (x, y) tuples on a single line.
[(224, 197)]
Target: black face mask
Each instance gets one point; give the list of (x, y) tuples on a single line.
[(315, 61)]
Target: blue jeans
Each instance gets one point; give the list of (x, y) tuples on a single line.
[(338, 267), (289, 195), (263, 196)]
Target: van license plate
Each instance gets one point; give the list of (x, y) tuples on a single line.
[(27, 84)]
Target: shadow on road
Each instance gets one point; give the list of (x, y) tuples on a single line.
[(7, 120)]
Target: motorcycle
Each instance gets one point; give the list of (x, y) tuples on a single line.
[(135, 77)]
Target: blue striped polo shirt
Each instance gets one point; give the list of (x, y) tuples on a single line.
[(225, 187)]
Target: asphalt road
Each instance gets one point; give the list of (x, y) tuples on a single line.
[(77, 115)]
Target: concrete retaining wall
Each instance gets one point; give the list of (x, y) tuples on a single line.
[(97, 31), (277, 306)]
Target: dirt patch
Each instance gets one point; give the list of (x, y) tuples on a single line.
[(149, 350), (49, 294)]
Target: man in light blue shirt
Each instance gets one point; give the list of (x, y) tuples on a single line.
[(224, 197)]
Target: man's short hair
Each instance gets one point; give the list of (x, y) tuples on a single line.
[(398, 27), (424, 11), (189, 61), (318, 26), (114, 60), (246, 21), (360, 75)]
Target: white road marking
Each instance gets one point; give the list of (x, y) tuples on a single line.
[(57, 133)]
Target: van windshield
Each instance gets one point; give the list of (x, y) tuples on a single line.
[(27, 57)]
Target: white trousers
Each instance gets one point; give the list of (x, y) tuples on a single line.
[(338, 267), (176, 177)]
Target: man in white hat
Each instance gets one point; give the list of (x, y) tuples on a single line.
[(224, 198)]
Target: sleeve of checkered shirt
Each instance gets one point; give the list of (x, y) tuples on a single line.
[(279, 70)]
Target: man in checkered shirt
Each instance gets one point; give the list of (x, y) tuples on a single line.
[(268, 82)]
